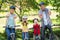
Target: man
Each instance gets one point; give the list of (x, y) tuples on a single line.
[(44, 14), (10, 22)]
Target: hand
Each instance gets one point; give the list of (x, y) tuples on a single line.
[(7, 15), (15, 17), (40, 15)]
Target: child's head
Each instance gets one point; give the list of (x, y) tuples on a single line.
[(24, 20), (12, 9), (35, 20)]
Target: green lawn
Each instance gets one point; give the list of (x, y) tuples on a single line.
[(19, 34)]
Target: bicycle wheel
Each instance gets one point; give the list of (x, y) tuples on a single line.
[(12, 36), (55, 37)]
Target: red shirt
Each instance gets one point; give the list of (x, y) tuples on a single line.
[(36, 28)]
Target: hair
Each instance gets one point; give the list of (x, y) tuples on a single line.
[(24, 22), (42, 3), (12, 7), (35, 19)]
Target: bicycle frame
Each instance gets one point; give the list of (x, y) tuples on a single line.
[(12, 35), (37, 38)]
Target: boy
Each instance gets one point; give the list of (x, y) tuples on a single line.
[(10, 22)]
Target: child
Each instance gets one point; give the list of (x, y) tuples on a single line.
[(25, 35), (10, 22), (36, 28)]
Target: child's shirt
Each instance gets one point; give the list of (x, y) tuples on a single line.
[(24, 28), (10, 20), (36, 28)]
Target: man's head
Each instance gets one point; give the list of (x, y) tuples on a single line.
[(42, 5), (12, 9)]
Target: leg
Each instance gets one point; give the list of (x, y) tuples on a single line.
[(43, 33), (27, 35), (33, 37), (8, 34), (13, 31), (23, 35), (39, 37), (51, 33)]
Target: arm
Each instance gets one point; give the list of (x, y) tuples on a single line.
[(40, 16), (30, 28), (15, 17), (49, 12), (18, 28), (7, 15)]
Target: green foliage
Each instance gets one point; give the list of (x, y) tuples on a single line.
[(28, 5), (0, 1), (56, 4), (23, 5), (57, 31)]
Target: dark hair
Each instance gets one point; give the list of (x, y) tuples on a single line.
[(12, 7), (41, 3), (35, 19), (24, 22)]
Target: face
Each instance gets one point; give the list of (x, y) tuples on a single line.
[(42, 7), (24, 19), (35, 21), (11, 11)]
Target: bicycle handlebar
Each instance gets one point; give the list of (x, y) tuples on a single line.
[(14, 26)]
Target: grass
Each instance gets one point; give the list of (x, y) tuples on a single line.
[(57, 31), (19, 34)]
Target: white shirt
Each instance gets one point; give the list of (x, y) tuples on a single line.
[(45, 18)]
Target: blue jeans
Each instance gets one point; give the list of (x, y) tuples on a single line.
[(25, 35), (43, 32), (8, 32)]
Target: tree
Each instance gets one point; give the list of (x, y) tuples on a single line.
[(56, 4), (1, 2), (23, 6)]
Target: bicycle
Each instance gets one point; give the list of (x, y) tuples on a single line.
[(48, 35), (37, 37), (12, 35)]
